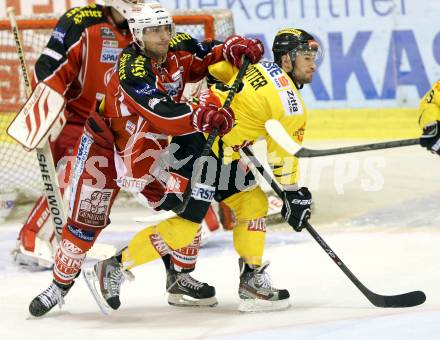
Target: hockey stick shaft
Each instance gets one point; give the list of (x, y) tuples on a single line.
[(307, 153), (44, 154), (278, 133), (404, 300), (198, 166)]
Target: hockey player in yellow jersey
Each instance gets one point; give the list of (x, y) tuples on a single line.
[(429, 119), (269, 91)]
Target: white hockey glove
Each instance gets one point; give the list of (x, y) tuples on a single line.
[(42, 117)]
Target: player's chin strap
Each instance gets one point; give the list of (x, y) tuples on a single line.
[(195, 178), (402, 300)]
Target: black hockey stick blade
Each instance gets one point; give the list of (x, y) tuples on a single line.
[(409, 299)]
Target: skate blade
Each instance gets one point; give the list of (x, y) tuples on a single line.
[(93, 284), (181, 300), (258, 305)]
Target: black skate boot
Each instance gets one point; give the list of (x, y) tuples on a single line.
[(186, 291), (104, 280), (52, 296), (256, 291)]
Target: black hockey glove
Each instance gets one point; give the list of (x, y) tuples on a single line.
[(296, 207), (431, 137)]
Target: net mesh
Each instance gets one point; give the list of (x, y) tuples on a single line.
[(19, 171)]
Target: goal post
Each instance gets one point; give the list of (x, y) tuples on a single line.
[(19, 171)]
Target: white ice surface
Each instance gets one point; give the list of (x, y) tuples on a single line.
[(390, 239)]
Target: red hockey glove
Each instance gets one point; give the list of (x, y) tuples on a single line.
[(235, 47), (207, 118)]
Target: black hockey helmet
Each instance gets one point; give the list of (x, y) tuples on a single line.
[(294, 41)]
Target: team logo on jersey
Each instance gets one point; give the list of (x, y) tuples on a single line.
[(281, 82), (276, 74), (159, 244), (52, 53), (132, 184), (174, 182), (130, 127), (109, 55), (58, 34), (172, 89), (93, 206), (107, 33), (110, 43), (257, 225), (85, 235), (147, 90), (291, 102), (153, 102), (203, 192), (299, 134)]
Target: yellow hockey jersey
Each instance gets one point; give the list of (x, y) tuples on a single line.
[(429, 108), (268, 93)]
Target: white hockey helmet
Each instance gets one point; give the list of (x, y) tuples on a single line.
[(124, 7), (147, 15)]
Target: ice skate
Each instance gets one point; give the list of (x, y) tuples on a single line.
[(256, 291), (52, 296), (104, 280), (185, 291)]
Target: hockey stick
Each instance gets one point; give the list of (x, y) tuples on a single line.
[(44, 154), (195, 178), (279, 134), (409, 299)]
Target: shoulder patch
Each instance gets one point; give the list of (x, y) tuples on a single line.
[(278, 77), (291, 102)]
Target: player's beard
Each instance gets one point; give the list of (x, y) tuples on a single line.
[(158, 55), (303, 78)]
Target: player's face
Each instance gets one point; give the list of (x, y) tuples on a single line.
[(156, 40), (305, 67)]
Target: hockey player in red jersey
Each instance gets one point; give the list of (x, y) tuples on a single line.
[(270, 94), (83, 47), (124, 144)]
